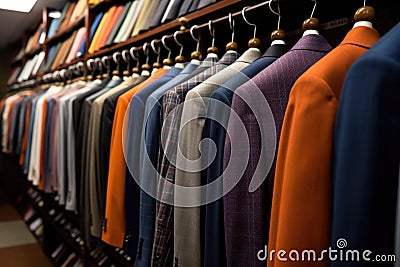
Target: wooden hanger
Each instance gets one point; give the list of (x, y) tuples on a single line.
[(157, 64), (168, 61), (277, 35), (254, 43), (212, 51), (180, 58), (311, 25), (135, 70), (195, 55), (364, 16), (232, 45)]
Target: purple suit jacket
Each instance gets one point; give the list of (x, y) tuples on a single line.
[(258, 109)]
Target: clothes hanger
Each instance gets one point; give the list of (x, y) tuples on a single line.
[(146, 68), (106, 62), (195, 55), (180, 59), (363, 16), (254, 43), (157, 64), (310, 25), (277, 35), (212, 50), (232, 46), (125, 56), (91, 68), (135, 70), (117, 60), (168, 61), (99, 67), (79, 70)]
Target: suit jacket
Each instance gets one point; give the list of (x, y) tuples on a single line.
[(83, 137), (106, 124), (132, 156), (30, 134), (246, 213), (366, 153), (187, 241), (24, 141), (148, 162), (214, 237), (302, 191), (162, 244), (114, 227), (93, 154), (172, 112)]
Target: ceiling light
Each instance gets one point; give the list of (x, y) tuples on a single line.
[(55, 14), (18, 5)]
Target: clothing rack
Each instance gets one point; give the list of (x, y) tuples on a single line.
[(138, 42)]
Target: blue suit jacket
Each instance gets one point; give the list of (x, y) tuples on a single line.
[(149, 145), (367, 152), (132, 190)]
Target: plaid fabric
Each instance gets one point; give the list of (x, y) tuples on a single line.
[(171, 115)]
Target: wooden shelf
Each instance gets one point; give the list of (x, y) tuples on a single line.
[(33, 51)]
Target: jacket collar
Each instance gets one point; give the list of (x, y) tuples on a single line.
[(312, 42), (361, 36), (249, 55), (229, 57), (276, 50)]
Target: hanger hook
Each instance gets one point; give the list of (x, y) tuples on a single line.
[(106, 60), (176, 38), (80, 67), (146, 51), (194, 27), (180, 44), (132, 51), (276, 13), (165, 45), (315, 5), (212, 32), (99, 65), (232, 25), (251, 24), (153, 46), (365, 2), (125, 55), (194, 37), (116, 57), (89, 64)]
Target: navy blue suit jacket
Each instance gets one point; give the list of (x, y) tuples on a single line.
[(367, 153)]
